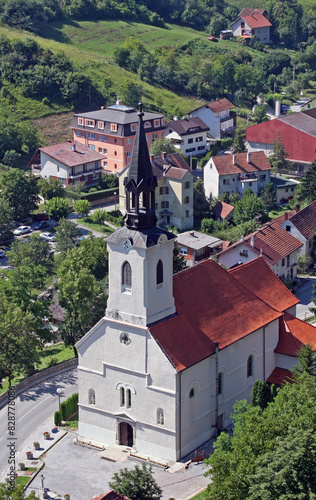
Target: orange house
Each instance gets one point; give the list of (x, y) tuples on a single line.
[(111, 132)]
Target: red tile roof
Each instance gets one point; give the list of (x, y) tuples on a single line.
[(251, 12), (72, 153), (258, 162), (293, 333), (111, 495), (299, 145), (222, 209), (175, 173), (305, 220), (220, 105), (280, 376), (212, 306), (259, 278), (256, 21)]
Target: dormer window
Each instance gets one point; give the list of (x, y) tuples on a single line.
[(80, 121), (156, 123), (113, 127), (89, 123), (133, 127), (147, 125), (101, 125)]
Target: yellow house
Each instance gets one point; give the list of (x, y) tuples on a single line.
[(174, 192)]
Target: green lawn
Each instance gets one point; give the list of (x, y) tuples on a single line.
[(200, 496), (73, 423), (104, 229)]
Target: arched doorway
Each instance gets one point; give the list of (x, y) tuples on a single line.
[(126, 434)]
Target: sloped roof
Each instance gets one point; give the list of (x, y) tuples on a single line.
[(251, 12), (259, 278), (258, 162), (212, 306), (188, 126), (279, 376), (301, 121), (256, 21), (71, 153), (293, 333), (300, 145), (305, 220), (197, 240), (220, 105), (222, 209)]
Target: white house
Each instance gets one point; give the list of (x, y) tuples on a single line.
[(160, 372), (236, 173), (188, 135), (69, 162), (252, 22), (218, 116), (302, 225)]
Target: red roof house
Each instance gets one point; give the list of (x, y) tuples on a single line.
[(252, 22)]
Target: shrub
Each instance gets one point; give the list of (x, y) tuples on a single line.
[(57, 418), (69, 406), (225, 143)]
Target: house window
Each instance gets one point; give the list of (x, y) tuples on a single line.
[(283, 262), (190, 150), (113, 127), (220, 383), (78, 133), (156, 123), (128, 398), (159, 274), (190, 141), (91, 146), (161, 190), (160, 417), (128, 141), (133, 127), (162, 204), (250, 184), (166, 190), (101, 125), (287, 190), (147, 125), (80, 121), (250, 366), (100, 150), (126, 277), (115, 153), (100, 137), (162, 121), (57, 168), (91, 397), (166, 204), (82, 133), (226, 182), (187, 199), (199, 139), (288, 228), (263, 177), (187, 185), (128, 154), (183, 251), (292, 189), (288, 261), (105, 139), (155, 137), (89, 123), (91, 135), (187, 213), (105, 151)]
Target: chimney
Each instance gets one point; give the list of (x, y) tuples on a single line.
[(242, 238), (74, 147), (297, 208), (192, 233), (151, 157), (252, 241), (164, 154), (248, 158), (234, 160), (119, 102)]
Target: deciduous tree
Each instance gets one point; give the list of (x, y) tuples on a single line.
[(20, 191), (162, 146), (136, 484), (67, 235), (57, 208), (82, 207), (278, 158), (50, 188), (6, 220)]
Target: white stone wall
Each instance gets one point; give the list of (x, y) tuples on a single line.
[(232, 256), (211, 180), (210, 119), (51, 168)]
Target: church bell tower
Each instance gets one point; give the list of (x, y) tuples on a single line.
[(140, 253)]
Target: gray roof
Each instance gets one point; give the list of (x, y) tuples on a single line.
[(281, 182), (114, 115), (141, 239), (197, 240), (301, 121), (188, 126)]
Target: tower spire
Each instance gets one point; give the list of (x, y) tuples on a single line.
[(140, 183)]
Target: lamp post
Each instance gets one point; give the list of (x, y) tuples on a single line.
[(115, 199), (59, 391)]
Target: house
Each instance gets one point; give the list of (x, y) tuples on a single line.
[(111, 131), (302, 225), (160, 372), (310, 104), (276, 245), (188, 135), (195, 246), (236, 173), (223, 210), (285, 188), (69, 162), (174, 191), (252, 22), (298, 135), (218, 116)]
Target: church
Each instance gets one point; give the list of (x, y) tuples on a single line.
[(161, 371)]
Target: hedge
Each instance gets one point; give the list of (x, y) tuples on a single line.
[(69, 407), (57, 418), (104, 193)]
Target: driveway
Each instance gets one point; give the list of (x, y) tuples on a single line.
[(304, 294)]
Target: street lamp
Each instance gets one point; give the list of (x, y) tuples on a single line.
[(59, 391), (115, 199)]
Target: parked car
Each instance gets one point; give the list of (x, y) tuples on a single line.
[(40, 225), (47, 236), (22, 230), (2, 254)]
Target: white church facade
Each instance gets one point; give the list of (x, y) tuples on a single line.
[(161, 371)]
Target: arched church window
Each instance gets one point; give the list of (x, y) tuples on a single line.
[(250, 366), (122, 396), (129, 398), (160, 417), (126, 276), (191, 393), (220, 383), (159, 274), (91, 397)]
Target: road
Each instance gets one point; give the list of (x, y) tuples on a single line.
[(304, 294), (32, 409)]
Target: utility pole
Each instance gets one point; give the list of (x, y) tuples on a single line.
[(294, 67)]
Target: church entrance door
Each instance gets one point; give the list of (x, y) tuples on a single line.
[(126, 434)]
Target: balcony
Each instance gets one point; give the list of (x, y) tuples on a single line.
[(85, 171), (247, 177)]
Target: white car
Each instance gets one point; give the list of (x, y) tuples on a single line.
[(22, 230), (47, 236)]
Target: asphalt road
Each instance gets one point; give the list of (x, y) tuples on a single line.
[(32, 409)]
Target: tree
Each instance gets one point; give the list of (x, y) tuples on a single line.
[(261, 394), (136, 484), (10, 491), (6, 221), (20, 191), (109, 181), (278, 158), (57, 208), (308, 184), (238, 144), (51, 188), (307, 362), (260, 113), (268, 196), (11, 158), (247, 207), (162, 145), (201, 207), (34, 252), (66, 236), (178, 260), (207, 226), (93, 254), (303, 263), (99, 216), (130, 94), (82, 207)]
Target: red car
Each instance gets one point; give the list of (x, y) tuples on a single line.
[(213, 38)]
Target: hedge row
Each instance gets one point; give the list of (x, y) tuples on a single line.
[(104, 193), (67, 408)]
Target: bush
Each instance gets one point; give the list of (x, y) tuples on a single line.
[(57, 418), (69, 407), (226, 143)]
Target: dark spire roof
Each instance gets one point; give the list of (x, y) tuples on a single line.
[(140, 165)]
